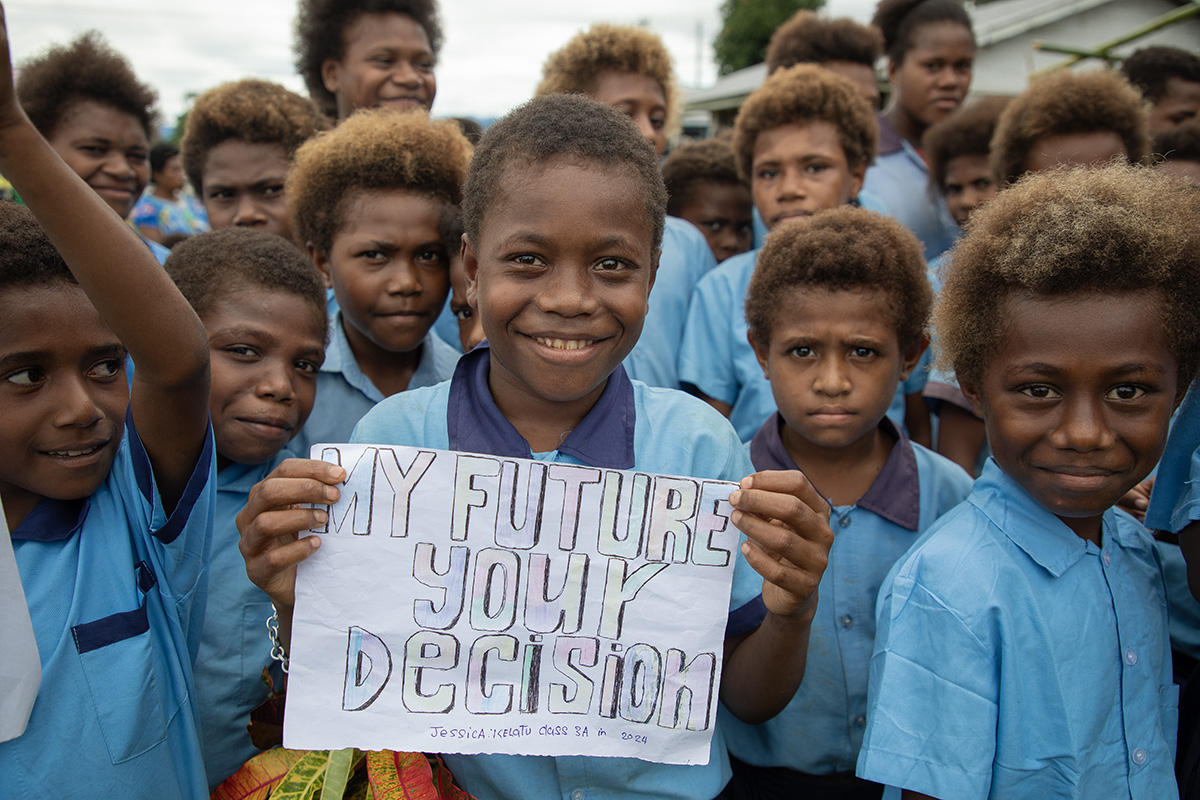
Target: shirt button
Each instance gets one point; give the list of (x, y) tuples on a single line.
[(1139, 756), (844, 521), (847, 622), (578, 794), (860, 721), (1130, 656), (1107, 559)]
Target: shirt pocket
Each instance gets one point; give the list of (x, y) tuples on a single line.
[(117, 658)]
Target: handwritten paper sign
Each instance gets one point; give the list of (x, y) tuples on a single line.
[(474, 604)]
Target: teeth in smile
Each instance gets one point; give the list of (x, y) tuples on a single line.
[(565, 344), (88, 451)]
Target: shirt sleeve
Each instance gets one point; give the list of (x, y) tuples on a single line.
[(1175, 501), (706, 352), (932, 702)]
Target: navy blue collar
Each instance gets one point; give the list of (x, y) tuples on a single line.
[(890, 140), (52, 520), (895, 493), (475, 423)]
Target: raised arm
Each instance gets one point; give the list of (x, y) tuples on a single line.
[(127, 286), (787, 523)]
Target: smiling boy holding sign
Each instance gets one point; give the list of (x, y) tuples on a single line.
[(564, 213)]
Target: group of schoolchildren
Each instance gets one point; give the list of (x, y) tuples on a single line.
[(947, 604)]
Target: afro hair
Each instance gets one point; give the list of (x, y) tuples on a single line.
[(50, 85), (27, 258), (842, 249), (1150, 68), (373, 150), (210, 266), (567, 127), (801, 95), (1116, 229), (251, 111), (898, 21), (1064, 103), (807, 38), (576, 66), (966, 132), (321, 26), (709, 161)]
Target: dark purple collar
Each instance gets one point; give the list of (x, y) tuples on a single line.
[(52, 520), (895, 494), (889, 140), (475, 423)]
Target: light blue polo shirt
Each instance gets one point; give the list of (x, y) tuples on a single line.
[(345, 393), (234, 647), (632, 426), (1176, 499), (116, 591), (716, 357), (1016, 659), (899, 182), (686, 258), (821, 729)]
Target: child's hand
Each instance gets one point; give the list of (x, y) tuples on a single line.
[(787, 523), (1137, 499), (273, 518)]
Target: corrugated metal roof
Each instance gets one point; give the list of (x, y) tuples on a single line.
[(1004, 19)]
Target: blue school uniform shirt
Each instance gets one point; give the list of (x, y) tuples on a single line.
[(1016, 659), (899, 181), (716, 357), (821, 729), (345, 393), (1175, 501), (686, 258), (116, 591), (632, 426), (234, 647)]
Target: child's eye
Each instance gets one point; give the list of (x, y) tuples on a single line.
[(310, 367), (431, 255), (463, 314), (863, 352), (527, 260), (27, 377), (658, 122), (817, 167), (242, 351), (219, 194), (766, 173), (1039, 391), (611, 264), (1126, 392), (136, 158), (801, 351), (982, 183), (108, 368), (272, 190), (374, 256), (714, 225)]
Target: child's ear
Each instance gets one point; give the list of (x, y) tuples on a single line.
[(760, 352), (320, 260), (858, 176), (330, 74), (912, 356), (971, 392), (471, 268)]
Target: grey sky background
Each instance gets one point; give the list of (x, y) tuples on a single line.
[(490, 62)]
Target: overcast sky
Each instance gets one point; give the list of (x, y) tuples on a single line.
[(490, 62)]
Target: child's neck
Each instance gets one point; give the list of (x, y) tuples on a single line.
[(391, 372), (544, 424), (18, 503), (905, 125), (841, 474), (1089, 529)]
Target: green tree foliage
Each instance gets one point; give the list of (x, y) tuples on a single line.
[(747, 27)]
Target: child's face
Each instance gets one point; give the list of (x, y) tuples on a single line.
[(862, 76), (388, 269), (1083, 149), (934, 77), (1180, 103), (561, 278), (266, 348), (470, 331), (724, 213), (108, 149), (1077, 399), (63, 394), (170, 178), (801, 169), (386, 62), (834, 361), (641, 98), (969, 183), (243, 185)]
